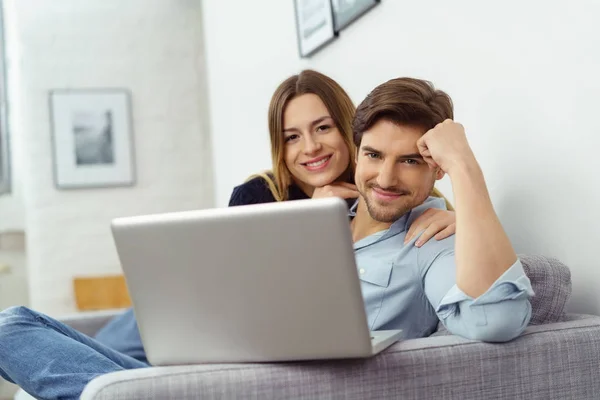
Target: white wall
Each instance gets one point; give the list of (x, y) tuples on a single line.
[(154, 48), (523, 76)]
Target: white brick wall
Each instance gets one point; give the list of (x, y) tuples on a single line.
[(154, 48)]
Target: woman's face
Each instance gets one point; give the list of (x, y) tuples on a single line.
[(314, 150)]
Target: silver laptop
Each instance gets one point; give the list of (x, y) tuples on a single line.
[(256, 283)]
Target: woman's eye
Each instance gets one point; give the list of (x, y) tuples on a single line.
[(323, 128), (291, 138)]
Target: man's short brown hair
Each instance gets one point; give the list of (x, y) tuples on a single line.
[(403, 101)]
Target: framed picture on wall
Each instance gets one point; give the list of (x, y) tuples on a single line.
[(347, 11), (4, 153), (314, 25), (92, 138), (4, 135)]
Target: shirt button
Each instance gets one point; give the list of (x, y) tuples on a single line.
[(362, 271)]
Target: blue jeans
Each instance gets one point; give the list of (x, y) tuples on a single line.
[(50, 360)]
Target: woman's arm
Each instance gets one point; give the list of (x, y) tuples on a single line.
[(434, 222)]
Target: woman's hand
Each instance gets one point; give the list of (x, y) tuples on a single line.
[(433, 223), (339, 189)]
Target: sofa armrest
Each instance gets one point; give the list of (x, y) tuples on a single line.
[(89, 322), (553, 361)]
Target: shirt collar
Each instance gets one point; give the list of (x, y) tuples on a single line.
[(397, 227)]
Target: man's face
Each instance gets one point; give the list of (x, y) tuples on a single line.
[(391, 176)]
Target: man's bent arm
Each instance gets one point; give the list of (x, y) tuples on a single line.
[(498, 315), (483, 250)]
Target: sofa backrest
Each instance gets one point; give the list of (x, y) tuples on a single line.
[(551, 282)]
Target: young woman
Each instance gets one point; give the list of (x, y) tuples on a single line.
[(312, 151)]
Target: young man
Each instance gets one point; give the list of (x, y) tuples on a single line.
[(473, 281), (405, 142)]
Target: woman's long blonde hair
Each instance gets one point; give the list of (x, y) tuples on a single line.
[(340, 108)]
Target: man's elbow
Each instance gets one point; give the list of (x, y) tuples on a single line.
[(505, 321), (501, 321)]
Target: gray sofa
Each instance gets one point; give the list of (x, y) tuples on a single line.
[(558, 357)]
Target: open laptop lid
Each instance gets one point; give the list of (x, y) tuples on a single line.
[(266, 282)]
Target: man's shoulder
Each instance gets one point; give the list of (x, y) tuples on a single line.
[(430, 202), (433, 248)]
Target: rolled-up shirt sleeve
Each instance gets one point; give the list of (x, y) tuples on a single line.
[(498, 315)]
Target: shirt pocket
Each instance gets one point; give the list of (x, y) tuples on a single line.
[(374, 281)]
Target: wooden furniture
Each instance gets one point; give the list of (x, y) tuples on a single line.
[(101, 293)]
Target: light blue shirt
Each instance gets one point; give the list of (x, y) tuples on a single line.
[(411, 288)]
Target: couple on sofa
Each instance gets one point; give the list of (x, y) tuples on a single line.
[(384, 157)]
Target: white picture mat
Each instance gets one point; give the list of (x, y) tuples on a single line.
[(314, 15), (68, 174)]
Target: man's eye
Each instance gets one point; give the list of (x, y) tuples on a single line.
[(411, 162), (291, 138), (373, 155)]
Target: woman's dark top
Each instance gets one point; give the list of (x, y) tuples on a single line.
[(257, 191)]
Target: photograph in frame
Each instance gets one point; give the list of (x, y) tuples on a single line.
[(92, 138), (314, 25)]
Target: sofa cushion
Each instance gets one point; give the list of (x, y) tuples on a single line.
[(551, 282)]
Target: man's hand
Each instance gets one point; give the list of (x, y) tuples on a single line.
[(445, 146), (338, 189)]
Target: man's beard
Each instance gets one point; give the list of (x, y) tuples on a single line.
[(395, 209)]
